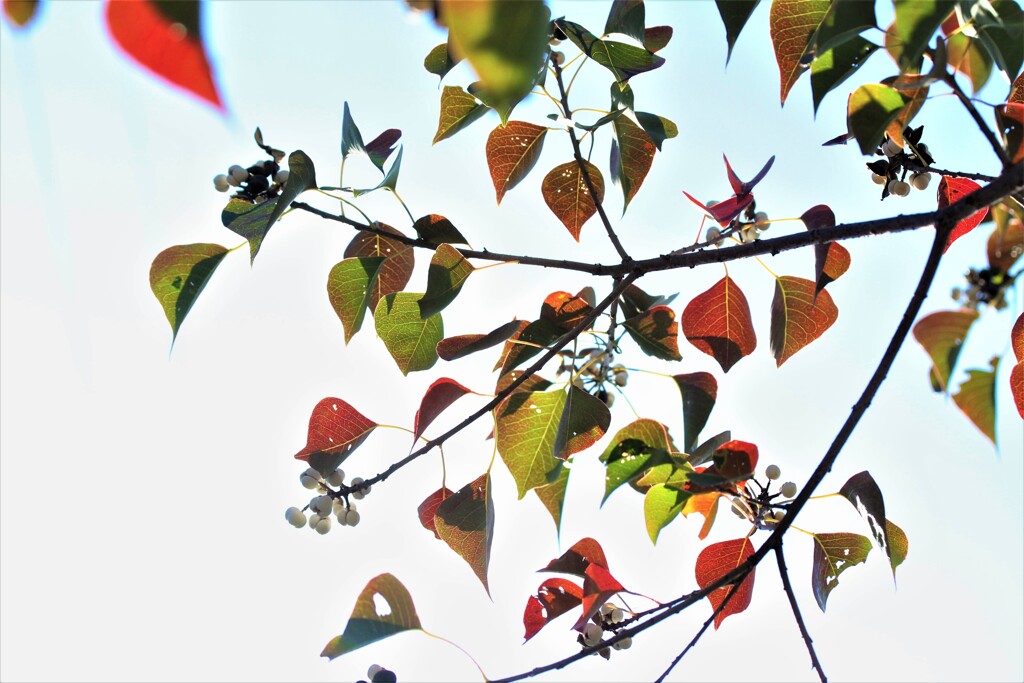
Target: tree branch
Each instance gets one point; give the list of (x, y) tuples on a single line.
[(788, 587), (950, 80), (696, 637), (583, 168)]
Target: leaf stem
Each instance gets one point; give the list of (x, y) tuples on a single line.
[(459, 648), (395, 192)]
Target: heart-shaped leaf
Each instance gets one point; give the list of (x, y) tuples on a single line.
[(718, 323), (662, 504), (438, 230), (565, 310), (831, 260), (657, 37), (410, 338), (178, 276), (898, 545), (793, 25), (798, 316), (350, 286), (699, 391), (428, 508), (366, 625), (167, 39), (626, 17), (20, 13), (977, 400), (585, 419), (942, 334), (635, 448), (864, 494), (835, 65), (452, 348), (566, 194), (335, 430), (554, 598), (525, 430), (458, 110), (440, 394), (439, 61), (953, 189), (465, 521), (834, 554), (624, 61), (658, 128), (527, 343), (717, 560), (656, 332), (395, 272), (632, 156), (448, 271), (735, 14), (512, 152), (869, 111), (916, 23)]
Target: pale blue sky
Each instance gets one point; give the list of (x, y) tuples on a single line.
[(143, 497)]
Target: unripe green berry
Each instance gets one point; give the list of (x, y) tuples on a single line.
[(789, 489), (772, 472)]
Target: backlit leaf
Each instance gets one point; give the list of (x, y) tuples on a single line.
[(844, 20), (735, 14), (831, 260), (578, 558), (167, 39), (798, 316), (726, 210), (634, 158), (977, 400), (366, 625), (718, 323), (553, 495), (448, 271), (458, 110), (526, 425), (566, 194), (504, 42), (635, 301), (452, 348), (624, 61), (335, 430), (658, 128), (554, 598), (21, 12), (966, 55), (699, 390), (634, 448), (1006, 243), (1017, 386), (898, 545), (351, 138), (249, 220), (707, 505), (832, 67), (395, 272), (438, 230), (864, 494), (598, 587), (1017, 338), (1017, 90), (952, 189), (565, 310), (942, 334), (834, 554), (717, 560), (440, 394), (410, 338), (585, 419), (465, 521), (916, 23), (1010, 124), (656, 332), (869, 111), (532, 383), (657, 37), (439, 61), (349, 288), (793, 25), (740, 187), (1003, 36), (428, 508), (627, 17), (530, 340), (914, 89), (381, 148), (512, 151), (390, 180), (733, 461), (662, 504), (178, 276)]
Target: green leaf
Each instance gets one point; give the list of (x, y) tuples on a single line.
[(622, 96), (656, 332), (870, 109), (834, 554), (566, 194), (505, 42), (452, 348), (942, 334), (398, 263), (584, 421), (634, 448), (706, 451), (553, 495), (448, 272), (525, 428), (837, 64), (898, 545), (439, 61), (735, 14), (662, 504), (366, 625), (844, 21), (410, 339), (977, 400), (465, 521), (458, 110), (350, 288), (178, 276), (624, 61), (699, 390), (916, 23), (390, 180), (967, 56), (793, 25), (658, 128), (351, 139), (512, 151), (1003, 36), (800, 314), (632, 157), (627, 17)]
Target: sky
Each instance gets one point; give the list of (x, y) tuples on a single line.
[(143, 492)]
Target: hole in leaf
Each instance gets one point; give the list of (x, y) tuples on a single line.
[(381, 606)]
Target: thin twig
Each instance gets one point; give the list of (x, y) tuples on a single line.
[(788, 587), (584, 173), (732, 591), (958, 174), (950, 80)]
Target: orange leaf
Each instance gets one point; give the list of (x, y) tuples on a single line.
[(952, 189), (576, 559), (1017, 90), (793, 25), (564, 309), (716, 561), (1017, 338), (598, 586), (942, 335), (977, 400), (798, 316), (428, 508), (632, 156), (512, 151), (566, 194), (718, 323), (831, 260), (1017, 386)]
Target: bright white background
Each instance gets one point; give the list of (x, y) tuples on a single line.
[(142, 496)]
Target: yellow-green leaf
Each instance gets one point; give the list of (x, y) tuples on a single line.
[(977, 400), (448, 272), (525, 428), (566, 194), (410, 339), (465, 521), (458, 110), (179, 274), (870, 110), (350, 287), (942, 334), (367, 625), (834, 554)]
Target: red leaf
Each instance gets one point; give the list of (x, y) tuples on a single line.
[(441, 394), (428, 508), (451, 348), (716, 561), (726, 210), (564, 309), (800, 314), (1017, 90), (566, 194), (953, 189), (1017, 386), (576, 559), (167, 39), (733, 461), (718, 323), (512, 150), (738, 186), (1017, 338), (395, 272), (335, 430), (554, 598), (831, 260), (598, 586), (1010, 122)]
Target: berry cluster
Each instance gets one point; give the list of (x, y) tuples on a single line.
[(901, 165), (258, 183), (378, 674), (606, 618), (329, 503), (746, 228), (757, 507), (986, 287), (592, 371)]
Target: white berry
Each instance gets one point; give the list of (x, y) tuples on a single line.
[(891, 148), (358, 495), (325, 506), (238, 173), (879, 179), (351, 518), (899, 188), (761, 221), (313, 519), (233, 182), (748, 235), (621, 378), (592, 633), (338, 507), (616, 615), (920, 180), (308, 481), (281, 177), (373, 670), (323, 525), (221, 183), (623, 644), (772, 472), (559, 58), (336, 478), (789, 489), (295, 517), (713, 235)]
